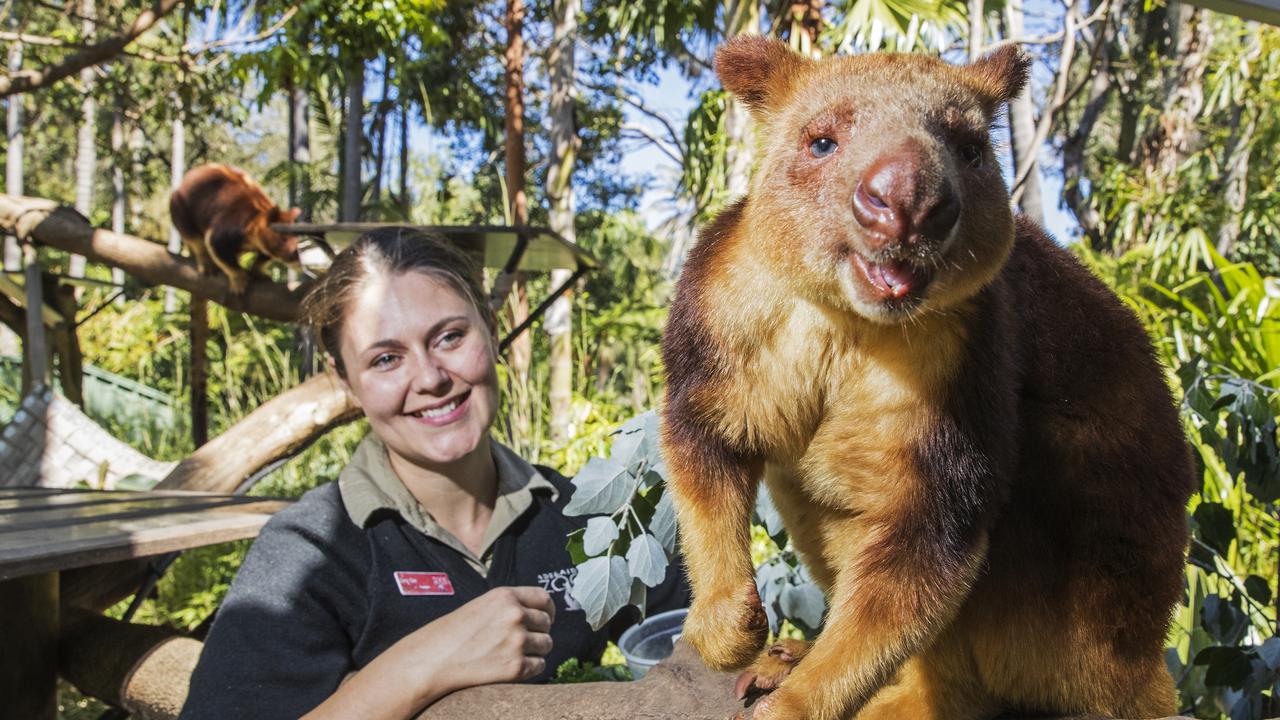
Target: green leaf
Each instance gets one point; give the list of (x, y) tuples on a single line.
[(1216, 526), (1269, 651), (601, 488), (639, 597), (1258, 588), (768, 516), (576, 552), (629, 450), (600, 533), (663, 525), (1224, 622), (602, 588), (646, 560), (1227, 666), (803, 602)]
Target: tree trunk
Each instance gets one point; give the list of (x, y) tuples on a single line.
[(558, 323), (35, 348), (380, 131), (1175, 136), (120, 157), (1235, 186), (299, 143), (13, 159), (1073, 158), (522, 348), (1022, 131), (86, 138), (804, 24), (353, 140), (406, 202), (65, 342), (199, 371), (177, 166), (742, 17), (977, 30)]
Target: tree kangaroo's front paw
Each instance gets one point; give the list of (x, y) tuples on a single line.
[(768, 671), (782, 705), (728, 630)]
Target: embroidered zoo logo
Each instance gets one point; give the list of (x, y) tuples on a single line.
[(558, 582)]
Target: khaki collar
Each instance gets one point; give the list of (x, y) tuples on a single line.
[(369, 485)]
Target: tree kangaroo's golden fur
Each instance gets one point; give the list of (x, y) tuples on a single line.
[(967, 435)]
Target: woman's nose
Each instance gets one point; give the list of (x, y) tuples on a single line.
[(431, 378)]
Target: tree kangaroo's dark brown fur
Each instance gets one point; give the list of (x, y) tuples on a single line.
[(969, 438), (221, 213)]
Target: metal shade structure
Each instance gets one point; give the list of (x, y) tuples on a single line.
[(493, 245), (1267, 11), (512, 248)]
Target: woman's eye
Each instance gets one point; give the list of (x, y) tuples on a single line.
[(971, 154), (822, 147), (383, 361), (451, 338)]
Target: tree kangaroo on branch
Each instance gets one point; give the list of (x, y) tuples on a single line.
[(221, 214)]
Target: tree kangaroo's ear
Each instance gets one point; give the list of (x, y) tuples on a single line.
[(999, 76), (759, 71)]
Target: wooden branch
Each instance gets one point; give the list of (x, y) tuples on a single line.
[(39, 40), (48, 223), (278, 428), (28, 80), (189, 53), (678, 687), (1050, 38), (146, 669)]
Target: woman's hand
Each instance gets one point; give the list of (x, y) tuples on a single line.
[(501, 636)]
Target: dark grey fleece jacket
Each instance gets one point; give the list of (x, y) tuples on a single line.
[(318, 597)]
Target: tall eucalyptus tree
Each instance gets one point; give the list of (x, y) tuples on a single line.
[(558, 324)]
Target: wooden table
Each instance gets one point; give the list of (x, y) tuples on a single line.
[(44, 531)]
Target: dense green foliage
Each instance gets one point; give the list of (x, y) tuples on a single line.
[(1218, 330)]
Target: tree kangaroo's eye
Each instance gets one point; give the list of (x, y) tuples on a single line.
[(822, 147), (971, 154)]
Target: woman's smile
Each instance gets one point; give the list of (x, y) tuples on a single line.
[(442, 413)]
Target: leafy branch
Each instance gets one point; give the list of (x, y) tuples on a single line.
[(27, 80)]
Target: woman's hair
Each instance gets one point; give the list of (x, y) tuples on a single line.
[(386, 252)]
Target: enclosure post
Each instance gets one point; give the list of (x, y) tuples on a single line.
[(29, 663), (35, 348), (13, 157), (199, 370), (65, 343)]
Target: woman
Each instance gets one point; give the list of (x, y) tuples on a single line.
[(437, 560)]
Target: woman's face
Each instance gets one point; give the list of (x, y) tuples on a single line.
[(420, 363)]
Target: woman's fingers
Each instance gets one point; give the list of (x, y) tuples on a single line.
[(537, 620), (537, 598), (537, 644), (532, 666)]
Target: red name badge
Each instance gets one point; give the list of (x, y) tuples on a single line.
[(424, 583)]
